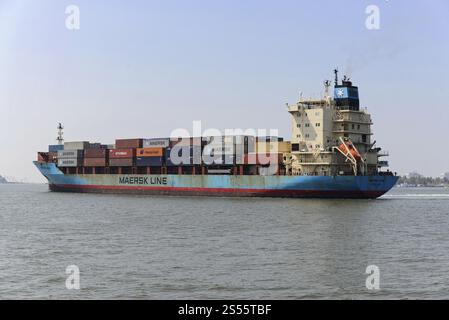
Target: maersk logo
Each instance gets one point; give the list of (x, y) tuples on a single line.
[(143, 180)]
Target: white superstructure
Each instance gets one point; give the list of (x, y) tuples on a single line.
[(333, 136)]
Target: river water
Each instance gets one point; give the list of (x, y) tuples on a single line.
[(150, 247)]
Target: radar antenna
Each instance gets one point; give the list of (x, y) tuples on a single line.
[(60, 137)]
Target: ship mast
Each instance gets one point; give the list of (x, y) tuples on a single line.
[(60, 137)]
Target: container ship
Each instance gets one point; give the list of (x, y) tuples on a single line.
[(331, 154)]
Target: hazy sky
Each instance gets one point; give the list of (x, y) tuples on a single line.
[(144, 68)]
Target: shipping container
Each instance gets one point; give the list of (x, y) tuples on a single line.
[(239, 144), (212, 149), (269, 139), (67, 162), (224, 159), (273, 147), (263, 159), (150, 152), (121, 162), (95, 162), (55, 147), (149, 161), (187, 141), (95, 145), (64, 154), (122, 153), (42, 156), (52, 157), (76, 145), (156, 143), (95, 153), (183, 155), (128, 143)]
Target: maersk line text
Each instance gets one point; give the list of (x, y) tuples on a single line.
[(143, 180)]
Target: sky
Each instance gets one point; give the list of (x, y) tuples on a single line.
[(144, 68)]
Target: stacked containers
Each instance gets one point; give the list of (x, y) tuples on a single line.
[(228, 150), (220, 150), (73, 153), (95, 157), (149, 157), (184, 151), (124, 153), (70, 158), (183, 155), (269, 150), (244, 146), (121, 157), (53, 152)]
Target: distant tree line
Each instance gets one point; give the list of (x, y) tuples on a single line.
[(424, 181)]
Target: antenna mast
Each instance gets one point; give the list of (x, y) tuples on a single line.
[(60, 137), (327, 84), (336, 76)]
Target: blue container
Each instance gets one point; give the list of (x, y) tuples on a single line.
[(55, 147), (192, 152), (149, 161)]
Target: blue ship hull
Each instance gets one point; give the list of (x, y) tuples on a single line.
[(362, 187)]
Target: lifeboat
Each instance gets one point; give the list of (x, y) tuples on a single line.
[(347, 145)]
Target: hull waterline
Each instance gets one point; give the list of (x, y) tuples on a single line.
[(355, 187)]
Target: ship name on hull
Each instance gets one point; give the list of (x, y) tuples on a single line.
[(143, 180)]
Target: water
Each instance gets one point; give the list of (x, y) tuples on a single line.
[(134, 247)]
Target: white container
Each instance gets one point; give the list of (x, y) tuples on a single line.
[(70, 154), (76, 145), (74, 162), (156, 143)]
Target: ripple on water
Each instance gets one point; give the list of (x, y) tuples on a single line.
[(133, 247)]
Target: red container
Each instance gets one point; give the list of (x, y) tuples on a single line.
[(42, 156), (95, 162), (122, 153), (121, 162), (128, 143), (95, 153)]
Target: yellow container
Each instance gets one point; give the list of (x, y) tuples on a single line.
[(149, 152), (273, 147)]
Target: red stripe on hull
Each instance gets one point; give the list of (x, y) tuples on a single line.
[(219, 192)]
